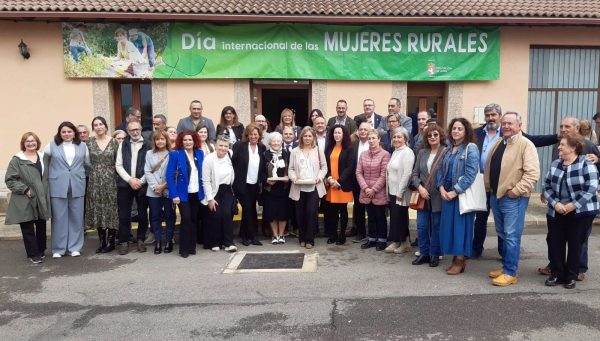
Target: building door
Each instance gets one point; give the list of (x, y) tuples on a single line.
[(133, 93), (271, 97), (423, 96), (563, 81)]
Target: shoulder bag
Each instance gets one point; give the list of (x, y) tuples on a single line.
[(417, 202), (473, 199)]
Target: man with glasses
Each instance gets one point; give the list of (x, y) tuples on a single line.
[(393, 122), (486, 135), (394, 108), (133, 114), (377, 121), (342, 118), (131, 184)]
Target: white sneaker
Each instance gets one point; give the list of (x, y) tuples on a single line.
[(231, 248), (281, 240), (274, 240), (216, 248), (417, 253), (56, 255), (75, 254)]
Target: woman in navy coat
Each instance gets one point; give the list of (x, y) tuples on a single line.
[(184, 179)]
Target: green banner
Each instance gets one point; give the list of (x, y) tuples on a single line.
[(288, 51)]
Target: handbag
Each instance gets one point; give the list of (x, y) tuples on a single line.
[(473, 199), (417, 202)]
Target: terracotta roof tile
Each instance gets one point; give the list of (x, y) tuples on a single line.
[(400, 8)]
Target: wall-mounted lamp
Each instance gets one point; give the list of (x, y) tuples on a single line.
[(24, 50)]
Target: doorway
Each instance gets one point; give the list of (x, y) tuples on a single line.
[(271, 97), (424, 96)]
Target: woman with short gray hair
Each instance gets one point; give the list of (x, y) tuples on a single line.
[(398, 174), (276, 187)]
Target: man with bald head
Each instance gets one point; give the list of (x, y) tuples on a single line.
[(570, 125), (261, 121)]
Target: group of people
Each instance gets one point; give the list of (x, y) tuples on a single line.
[(376, 162)]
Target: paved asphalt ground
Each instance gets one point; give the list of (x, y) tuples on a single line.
[(354, 295)]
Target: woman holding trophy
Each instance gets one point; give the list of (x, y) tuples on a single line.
[(276, 187)]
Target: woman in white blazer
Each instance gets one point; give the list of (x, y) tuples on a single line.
[(219, 201), (307, 170)]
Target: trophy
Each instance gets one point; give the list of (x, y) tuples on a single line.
[(276, 163)]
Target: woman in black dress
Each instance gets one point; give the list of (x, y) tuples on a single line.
[(275, 192)]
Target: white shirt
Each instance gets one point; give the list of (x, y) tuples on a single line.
[(253, 164), (321, 142), (361, 148), (194, 184), (135, 147), (225, 173), (232, 138)]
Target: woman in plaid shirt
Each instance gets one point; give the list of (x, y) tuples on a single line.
[(570, 188)]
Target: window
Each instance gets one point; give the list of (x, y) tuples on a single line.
[(133, 94)]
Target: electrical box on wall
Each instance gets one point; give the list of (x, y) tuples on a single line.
[(478, 116)]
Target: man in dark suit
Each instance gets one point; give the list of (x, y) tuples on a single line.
[(377, 121), (485, 136), (358, 209), (394, 108), (342, 118)]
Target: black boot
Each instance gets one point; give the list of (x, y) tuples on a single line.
[(169, 246), (110, 246), (157, 247), (101, 239)]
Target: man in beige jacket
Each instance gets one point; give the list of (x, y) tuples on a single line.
[(511, 171)]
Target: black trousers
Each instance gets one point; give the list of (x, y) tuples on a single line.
[(358, 214), (566, 231), (307, 212), (398, 222), (334, 213), (220, 230), (292, 210), (190, 217), (125, 197), (34, 237), (247, 199)]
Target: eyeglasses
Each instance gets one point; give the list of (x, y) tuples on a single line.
[(433, 136), (134, 130)]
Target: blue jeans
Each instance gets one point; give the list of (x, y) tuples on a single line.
[(583, 260), (428, 232), (480, 231), (157, 207), (509, 216)]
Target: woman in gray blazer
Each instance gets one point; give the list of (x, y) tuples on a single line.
[(66, 176), (428, 219)]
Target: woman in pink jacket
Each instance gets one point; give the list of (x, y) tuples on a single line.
[(370, 174)]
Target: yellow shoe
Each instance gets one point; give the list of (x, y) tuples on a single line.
[(495, 273), (504, 280)]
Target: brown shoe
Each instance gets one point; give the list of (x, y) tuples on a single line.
[(545, 271), (123, 248), (580, 277), (141, 247), (451, 264), (458, 267)]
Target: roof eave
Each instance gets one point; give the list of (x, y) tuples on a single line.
[(123, 16)]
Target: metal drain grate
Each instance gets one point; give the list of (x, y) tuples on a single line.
[(271, 261), (253, 261)]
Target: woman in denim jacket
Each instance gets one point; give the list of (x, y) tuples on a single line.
[(454, 176)]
